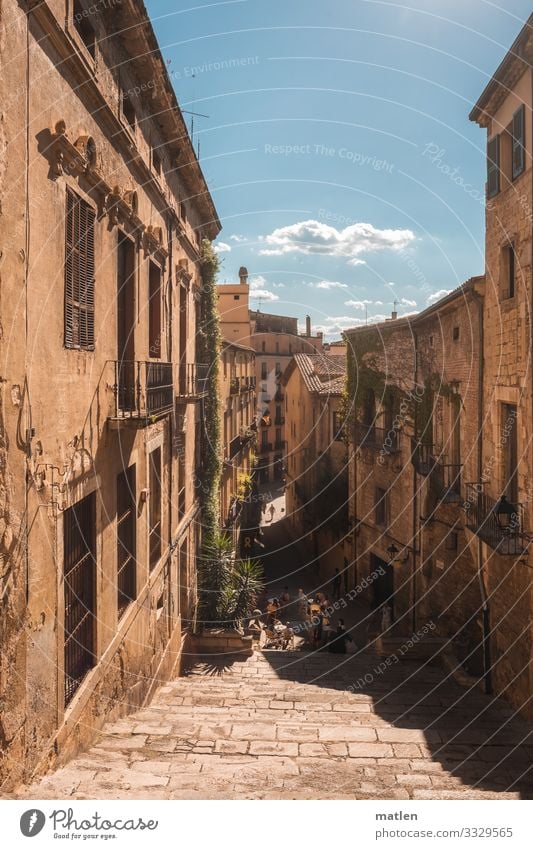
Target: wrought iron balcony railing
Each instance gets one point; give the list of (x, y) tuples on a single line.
[(279, 421), (142, 390), (192, 381), (422, 457), (280, 444), (377, 438), (264, 448), (446, 479), (481, 519)]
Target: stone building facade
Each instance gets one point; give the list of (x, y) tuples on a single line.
[(413, 404), (276, 340), (504, 109), (103, 209), (317, 468), (239, 434)]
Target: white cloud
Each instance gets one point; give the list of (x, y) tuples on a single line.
[(315, 237), (235, 237), (358, 305), (258, 290), (335, 325), (222, 248), (330, 284), (436, 296), (405, 302), (278, 285), (264, 295)]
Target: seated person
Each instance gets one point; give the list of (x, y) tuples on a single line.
[(287, 636), (255, 623)]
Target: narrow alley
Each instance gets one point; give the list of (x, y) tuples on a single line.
[(305, 724)]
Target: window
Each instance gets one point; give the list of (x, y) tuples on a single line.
[(451, 541), (154, 311), (507, 271), (381, 507), (493, 167), (126, 540), (263, 371), (278, 437), (154, 528), (128, 110), (263, 347), (455, 334), (518, 142), (156, 162), (236, 297), (277, 347), (79, 274), (79, 565), (509, 443), (84, 28), (369, 408), (183, 211), (338, 426), (431, 341), (278, 370)]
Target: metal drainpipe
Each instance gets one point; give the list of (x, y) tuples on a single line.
[(487, 659), (415, 496)]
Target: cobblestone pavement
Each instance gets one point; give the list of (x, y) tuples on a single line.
[(283, 725)]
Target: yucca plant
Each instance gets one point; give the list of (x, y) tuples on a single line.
[(214, 576), (245, 584)]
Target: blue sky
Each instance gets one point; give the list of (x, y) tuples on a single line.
[(337, 145)]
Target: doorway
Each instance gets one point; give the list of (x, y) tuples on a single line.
[(126, 323), (383, 584)]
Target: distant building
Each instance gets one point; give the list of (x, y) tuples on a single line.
[(276, 340), (238, 411), (317, 463)]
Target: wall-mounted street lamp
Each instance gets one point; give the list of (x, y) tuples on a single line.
[(506, 515), (393, 553)]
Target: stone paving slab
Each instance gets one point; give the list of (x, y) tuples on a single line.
[(275, 725)]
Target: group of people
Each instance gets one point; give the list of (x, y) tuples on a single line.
[(274, 628), (272, 633)]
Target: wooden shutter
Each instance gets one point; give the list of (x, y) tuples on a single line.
[(518, 142), (79, 273), (493, 167)]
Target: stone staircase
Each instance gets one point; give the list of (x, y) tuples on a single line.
[(298, 725)]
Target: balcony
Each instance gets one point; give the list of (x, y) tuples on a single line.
[(234, 387), (481, 520), (445, 479), (143, 391), (377, 438), (280, 444), (279, 397), (264, 448), (247, 384), (279, 421), (422, 457), (192, 380), (239, 442)]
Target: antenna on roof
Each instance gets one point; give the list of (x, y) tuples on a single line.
[(193, 116)]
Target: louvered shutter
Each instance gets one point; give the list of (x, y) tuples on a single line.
[(79, 274), (493, 167), (518, 142)]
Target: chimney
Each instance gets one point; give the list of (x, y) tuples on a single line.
[(308, 325), (243, 275)]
